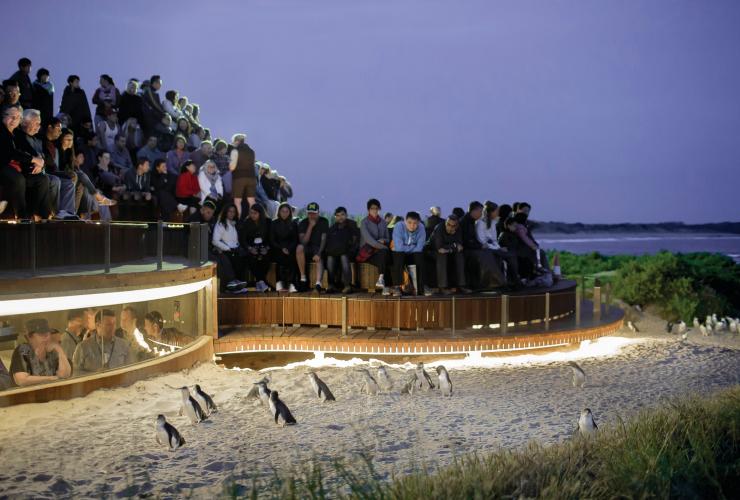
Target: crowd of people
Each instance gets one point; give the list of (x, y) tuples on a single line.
[(136, 146), (89, 342)]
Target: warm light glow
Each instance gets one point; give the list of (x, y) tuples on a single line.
[(63, 303)]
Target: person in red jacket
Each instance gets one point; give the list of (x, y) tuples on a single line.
[(187, 189)]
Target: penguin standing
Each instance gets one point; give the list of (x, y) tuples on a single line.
[(320, 388), (703, 330), (384, 380), (422, 376), (587, 424), (669, 327), (204, 400), (410, 386), (445, 384), (632, 327), (696, 322), (579, 376), (167, 435), (263, 392), (681, 327), (370, 385), (191, 408), (280, 410)]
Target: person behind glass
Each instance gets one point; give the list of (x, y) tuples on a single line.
[(163, 185), (43, 95), (129, 331), (375, 243), (131, 105), (226, 242), (187, 189), (101, 350), (160, 338), (283, 243), (254, 233), (137, 182), (39, 359), (434, 219), (178, 155), (209, 180), (74, 334), (311, 243), (409, 238), (446, 245), (342, 242), (21, 173), (243, 173), (487, 234)]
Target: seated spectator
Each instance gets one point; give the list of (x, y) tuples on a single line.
[(531, 259), (23, 78), (136, 181), (163, 185), (435, 217), (101, 350), (485, 267), (160, 339), (311, 243), (342, 242), (109, 183), (269, 182), (150, 151), (120, 157), (108, 130), (183, 128), (43, 96), (165, 134), (254, 235), (458, 212), (485, 229), (170, 105), (503, 214), (61, 180), (226, 242), (176, 157), (131, 104), (210, 182), (202, 154), (283, 243), (195, 114), (221, 157), (2, 97), (409, 238), (153, 110), (261, 197), (446, 245), (394, 220), (196, 137), (6, 381), (187, 189), (129, 331), (106, 97), (133, 134), (39, 359), (12, 94), (75, 105), (85, 190), (74, 333), (375, 243)]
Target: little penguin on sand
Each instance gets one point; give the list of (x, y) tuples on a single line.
[(422, 376), (384, 380), (190, 407), (445, 384), (370, 385), (204, 400), (167, 435), (586, 423), (320, 388), (280, 410), (579, 376)]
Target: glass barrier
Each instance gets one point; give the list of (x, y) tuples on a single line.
[(45, 347)]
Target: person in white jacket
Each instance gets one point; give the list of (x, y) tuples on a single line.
[(485, 230), (226, 243), (211, 185)]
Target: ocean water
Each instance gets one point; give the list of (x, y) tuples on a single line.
[(641, 243)]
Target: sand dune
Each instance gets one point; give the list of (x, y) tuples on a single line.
[(104, 444)]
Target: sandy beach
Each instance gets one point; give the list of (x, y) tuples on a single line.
[(103, 444)]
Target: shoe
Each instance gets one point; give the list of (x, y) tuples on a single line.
[(241, 283), (181, 208), (386, 291), (447, 291), (331, 289), (261, 286), (3, 206), (428, 292), (239, 291), (303, 286), (347, 290), (381, 282), (279, 286), (292, 289), (318, 288), (105, 202), (232, 284), (396, 292), (465, 291)]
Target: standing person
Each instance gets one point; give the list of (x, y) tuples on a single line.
[(102, 350), (178, 155), (131, 105), (39, 359), (226, 242), (342, 241), (375, 243), (446, 245), (43, 96), (283, 242), (243, 174), (311, 242), (106, 97), (187, 189), (153, 110), (74, 104), (254, 236), (163, 185), (74, 333), (23, 77), (486, 231), (409, 238)]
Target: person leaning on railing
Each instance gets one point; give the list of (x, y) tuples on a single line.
[(40, 359)]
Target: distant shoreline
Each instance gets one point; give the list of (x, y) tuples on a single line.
[(660, 227)]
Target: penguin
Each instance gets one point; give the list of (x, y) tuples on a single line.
[(263, 392), (422, 376), (579, 376), (709, 328), (681, 327), (320, 388), (280, 410), (587, 424), (703, 330), (638, 308), (384, 380), (167, 434), (445, 384), (191, 408), (410, 386), (204, 400), (696, 322), (254, 391), (733, 326), (669, 327), (685, 335), (632, 327), (371, 385)]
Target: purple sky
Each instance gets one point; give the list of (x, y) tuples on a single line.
[(591, 111)]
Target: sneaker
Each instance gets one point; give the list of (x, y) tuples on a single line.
[(347, 290), (386, 291), (428, 292), (261, 286), (396, 291), (279, 286), (292, 289), (465, 291), (241, 283), (3, 206), (181, 208), (239, 291), (318, 288), (232, 284), (104, 201), (381, 282)]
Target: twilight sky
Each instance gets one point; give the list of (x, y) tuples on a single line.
[(609, 111)]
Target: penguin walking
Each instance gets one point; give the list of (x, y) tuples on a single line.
[(632, 327), (681, 327), (696, 322), (422, 376), (669, 327), (280, 410), (263, 392), (579, 376), (370, 385), (384, 380), (320, 388), (587, 424), (704, 331), (167, 435), (733, 326), (191, 408), (411, 385), (445, 384), (204, 400)]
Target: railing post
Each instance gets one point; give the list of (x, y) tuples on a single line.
[(578, 310), (160, 244), (203, 243), (504, 313), (344, 316), (597, 302), (453, 316), (193, 242), (106, 249), (283, 303), (398, 315), (547, 310), (608, 296), (33, 247)]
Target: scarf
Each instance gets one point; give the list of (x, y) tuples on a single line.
[(48, 86), (374, 220), (212, 178)]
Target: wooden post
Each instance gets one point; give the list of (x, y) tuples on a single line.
[(504, 313), (398, 315), (608, 296), (453, 315), (160, 244), (33, 247), (547, 311), (344, 316), (597, 302), (578, 310), (106, 248)]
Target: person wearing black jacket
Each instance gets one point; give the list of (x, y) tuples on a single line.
[(283, 242), (254, 233), (163, 185), (43, 96), (20, 172), (434, 219), (75, 105), (131, 104), (446, 244), (342, 242), (22, 76), (484, 267)]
